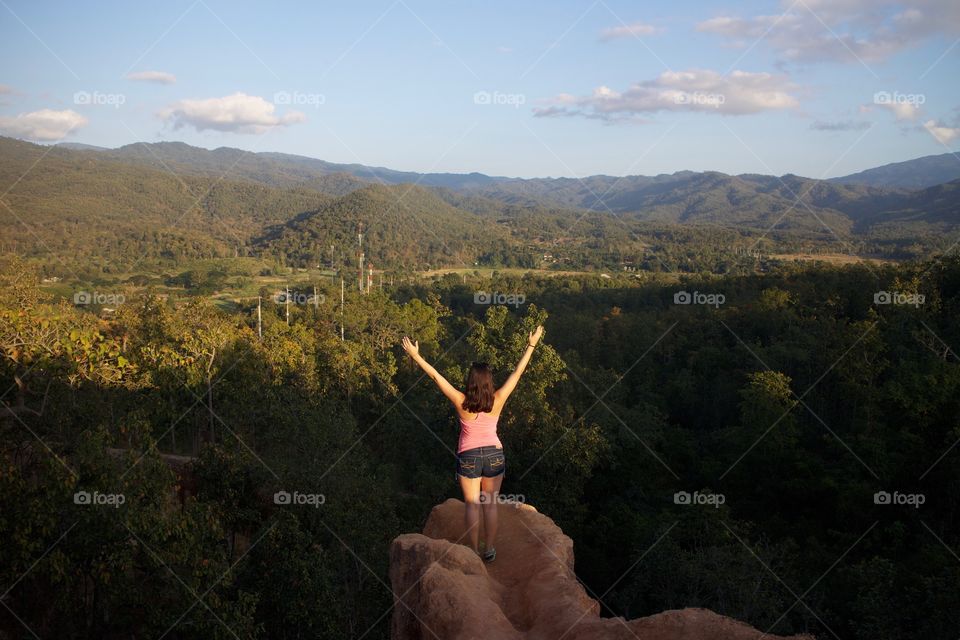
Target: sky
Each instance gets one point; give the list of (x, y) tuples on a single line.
[(819, 88)]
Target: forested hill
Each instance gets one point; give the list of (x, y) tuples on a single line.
[(918, 173), (272, 169), (404, 224), (275, 169), (937, 206), (89, 209)]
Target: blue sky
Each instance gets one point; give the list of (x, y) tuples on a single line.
[(814, 87)]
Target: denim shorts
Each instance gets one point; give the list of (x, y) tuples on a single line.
[(488, 462)]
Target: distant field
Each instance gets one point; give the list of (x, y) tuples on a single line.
[(516, 271), (486, 271), (829, 258)]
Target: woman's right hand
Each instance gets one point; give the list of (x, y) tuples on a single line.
[(534, 337)]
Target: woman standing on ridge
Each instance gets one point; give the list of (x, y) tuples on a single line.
[(480, 460)]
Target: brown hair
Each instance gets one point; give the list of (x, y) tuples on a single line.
[(479, 395)]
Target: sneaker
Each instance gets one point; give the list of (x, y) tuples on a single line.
[(490, 554)]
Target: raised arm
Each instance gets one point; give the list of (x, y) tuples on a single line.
[(532, 339), (413, 348)]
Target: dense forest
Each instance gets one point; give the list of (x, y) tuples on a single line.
[(144, 447)]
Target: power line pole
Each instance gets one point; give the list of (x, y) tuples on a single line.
[(259, 319), (360, 251), (288, 306), (341, 309)]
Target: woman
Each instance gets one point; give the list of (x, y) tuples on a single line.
[(480, 460)]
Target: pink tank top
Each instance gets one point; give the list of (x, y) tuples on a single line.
[(479, 432)]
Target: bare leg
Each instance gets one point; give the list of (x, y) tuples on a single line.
[(490, 488), (471, 514)]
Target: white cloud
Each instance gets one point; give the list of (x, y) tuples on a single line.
[(6, 89), (45, 125), (943, 134), (236, 113), (745, 28), (160, 77), (628, 31), (841, 30), (739, 93), (903, 110), (841, 125)]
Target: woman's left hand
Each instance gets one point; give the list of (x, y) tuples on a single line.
[(534, 337), (411, 347)]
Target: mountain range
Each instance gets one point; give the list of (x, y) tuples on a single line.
[(754, 200), (282, 169), (176, 200)]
